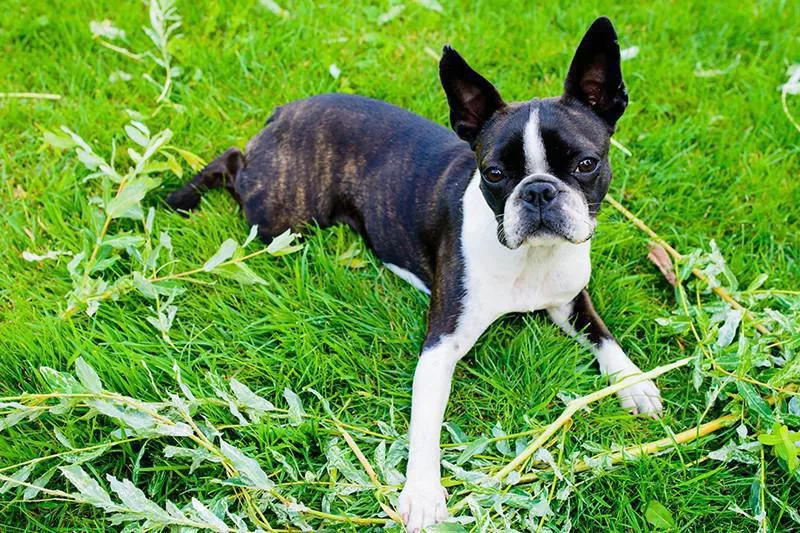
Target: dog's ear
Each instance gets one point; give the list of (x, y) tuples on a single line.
[(595, 77), (471, 97)]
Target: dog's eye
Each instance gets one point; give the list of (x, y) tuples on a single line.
[(493, 175), (586, 165)]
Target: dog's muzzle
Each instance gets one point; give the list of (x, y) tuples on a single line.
[(543, 209)]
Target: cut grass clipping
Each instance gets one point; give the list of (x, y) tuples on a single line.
[(225, 455)]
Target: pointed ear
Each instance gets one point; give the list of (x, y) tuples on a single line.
[(595, 77), (471, 97)]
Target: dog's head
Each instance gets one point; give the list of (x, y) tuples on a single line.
[(543, 163)]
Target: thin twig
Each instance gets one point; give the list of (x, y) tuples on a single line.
[(33, 96), (786, 111), (722, 293), (390, 512), (199, 270), (120, 50), (650, 448), (621, 147), (69, 452)]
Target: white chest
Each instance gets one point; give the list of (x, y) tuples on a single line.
[(499, 280)]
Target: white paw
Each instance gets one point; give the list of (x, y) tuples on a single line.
[(422, 504), (641, 399)]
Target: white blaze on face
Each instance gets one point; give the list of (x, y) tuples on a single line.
[(535, 155), (576, 225)]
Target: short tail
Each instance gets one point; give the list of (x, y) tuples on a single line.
[(221, 172)]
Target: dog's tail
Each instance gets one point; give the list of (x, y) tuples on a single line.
[(221, 172)]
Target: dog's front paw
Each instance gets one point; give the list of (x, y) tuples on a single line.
[(641, 399), (422, 504)]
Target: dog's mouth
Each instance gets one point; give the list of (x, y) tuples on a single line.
[(545, 227)]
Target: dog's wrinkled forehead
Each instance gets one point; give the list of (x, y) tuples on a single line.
[(541, 137)]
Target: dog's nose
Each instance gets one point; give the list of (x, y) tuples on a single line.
[(539, 193)]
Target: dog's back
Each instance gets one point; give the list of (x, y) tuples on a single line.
[(337, 158)]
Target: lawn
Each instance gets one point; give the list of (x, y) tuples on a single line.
[(711, 156)]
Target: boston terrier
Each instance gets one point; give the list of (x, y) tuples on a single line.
[(497, 218)]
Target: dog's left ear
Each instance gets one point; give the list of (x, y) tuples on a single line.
[(595, 77), (472, 99)]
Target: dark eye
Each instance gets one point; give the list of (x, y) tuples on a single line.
[(586, 165), (493, 175)]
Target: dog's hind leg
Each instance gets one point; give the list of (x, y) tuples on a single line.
[(221, 172)]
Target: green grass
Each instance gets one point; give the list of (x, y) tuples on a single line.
[(713, 158)]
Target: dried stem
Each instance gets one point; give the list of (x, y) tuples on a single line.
[(120, 50), (32, 96), (651, 448), (390, 512)]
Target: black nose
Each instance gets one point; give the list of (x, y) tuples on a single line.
[(539, 193)]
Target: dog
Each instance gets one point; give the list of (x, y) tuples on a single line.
[(497, 218)]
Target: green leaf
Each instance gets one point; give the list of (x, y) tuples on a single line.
[(251, 236), (224, 253), (659, 516), (173, 165), (20, 475), (61, 382), (755, 402), (136, 135), (457, 435), (151, 290), (350, 257), (433, 5), (123, 241), (728, 330), (57, 140), (194, 161), (282, 244), (134, 499), (446, 527), (473, 448), (398, 451), (155, 144), (126, 203), (89, 489), (40, 483), (88, 376), (502, 445), (757, 282), (255, 405), (136, 420), (782, 441), (197, 455), (247, 466), (239, 272), (103, 264), (756, 505), (296, 412), (288, 468), (203, 512), (338, 460)]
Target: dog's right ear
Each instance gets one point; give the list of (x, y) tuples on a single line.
[(471, 97)]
